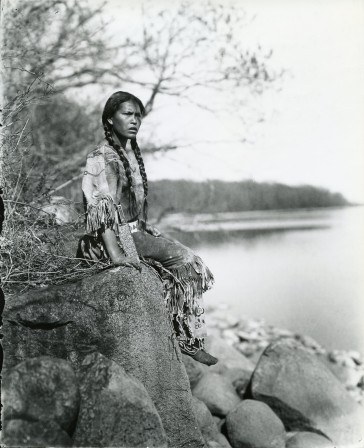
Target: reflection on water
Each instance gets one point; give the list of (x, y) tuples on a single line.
[(297, 269)]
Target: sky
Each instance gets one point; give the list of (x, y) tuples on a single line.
[(309, 131)]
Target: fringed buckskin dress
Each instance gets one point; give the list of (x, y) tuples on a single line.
[(184, 274)]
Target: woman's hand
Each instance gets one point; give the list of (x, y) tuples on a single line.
[(152, 230), (116, 255), (129, 262)]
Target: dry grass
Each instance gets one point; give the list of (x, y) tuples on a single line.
[(36, 252)]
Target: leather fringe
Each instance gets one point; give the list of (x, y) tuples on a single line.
[(101, 214)]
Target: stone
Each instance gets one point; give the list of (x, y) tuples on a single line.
[(309, 342), (227, 355), (207, 425), (217, 393), (253, 424), (18, 433), (43, 389), (355, 356), (115, 409), (230, 336), (235, 375), (305, 394), (241, 385), (195, 370), (347, 359), (222, 443), (219, 422), (249, 349), (121, 314), (61, 209), (308, 440), (349, 376)]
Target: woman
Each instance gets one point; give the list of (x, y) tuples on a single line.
[(115, 190)]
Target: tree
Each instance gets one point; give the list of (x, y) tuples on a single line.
[(57, 41), (66, 44), (52, 47), (195, 45)]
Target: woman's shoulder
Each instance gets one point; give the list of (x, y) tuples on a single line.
[(100, 151)]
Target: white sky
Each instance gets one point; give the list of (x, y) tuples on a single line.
[(313, 130)]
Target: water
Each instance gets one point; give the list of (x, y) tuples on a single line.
[(300, 270)]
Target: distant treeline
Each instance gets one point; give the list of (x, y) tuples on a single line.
[(218, 196)]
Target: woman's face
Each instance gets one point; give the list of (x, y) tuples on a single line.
[(126, 120)]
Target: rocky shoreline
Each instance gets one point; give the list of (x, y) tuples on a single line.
[(251, 336), (81, 371)]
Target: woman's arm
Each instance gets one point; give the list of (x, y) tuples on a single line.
[(117, 257)]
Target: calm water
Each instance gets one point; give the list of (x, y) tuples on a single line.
[(301, 270)]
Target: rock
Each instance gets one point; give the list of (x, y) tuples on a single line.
[(62, 210), (119, 313), (225, 319), (349, 376), (253, 424), (309, 342), (240, 386), (347, 359), (227, 355), (308, 440), (252, 336), (217, 393), (305, 394), (17, 433), (222, 443), (283, 332), (195, 370), (42, 389), (219, 422), (235, 375), (208, 426), (230, 336), (355, 356), (115, 410), (249, 349), (361, 383)]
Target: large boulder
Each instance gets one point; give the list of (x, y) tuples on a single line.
[(253, 424), (228, 356), (23, 433), (115, 410), (119, 313), (306, 395), (207, 425), (41, 389), (61, 210), (217, 393)]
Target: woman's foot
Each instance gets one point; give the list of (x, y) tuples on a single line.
[(204, 358), (200, 356)]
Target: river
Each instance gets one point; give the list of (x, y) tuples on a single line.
[(297, 269)]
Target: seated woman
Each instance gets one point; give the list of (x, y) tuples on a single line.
[(115, 190)]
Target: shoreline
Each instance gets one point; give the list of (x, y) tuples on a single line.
[(251, 337)]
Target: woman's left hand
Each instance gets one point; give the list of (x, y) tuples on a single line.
[(152, 230)]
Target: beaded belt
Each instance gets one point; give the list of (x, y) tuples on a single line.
[(133, 226)]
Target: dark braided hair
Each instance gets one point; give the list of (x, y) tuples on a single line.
[(111, 106), (138, 156)]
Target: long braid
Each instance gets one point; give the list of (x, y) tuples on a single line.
[(133, 210), (143, 173)]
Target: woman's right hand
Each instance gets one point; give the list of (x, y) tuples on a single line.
[(129, 262)]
